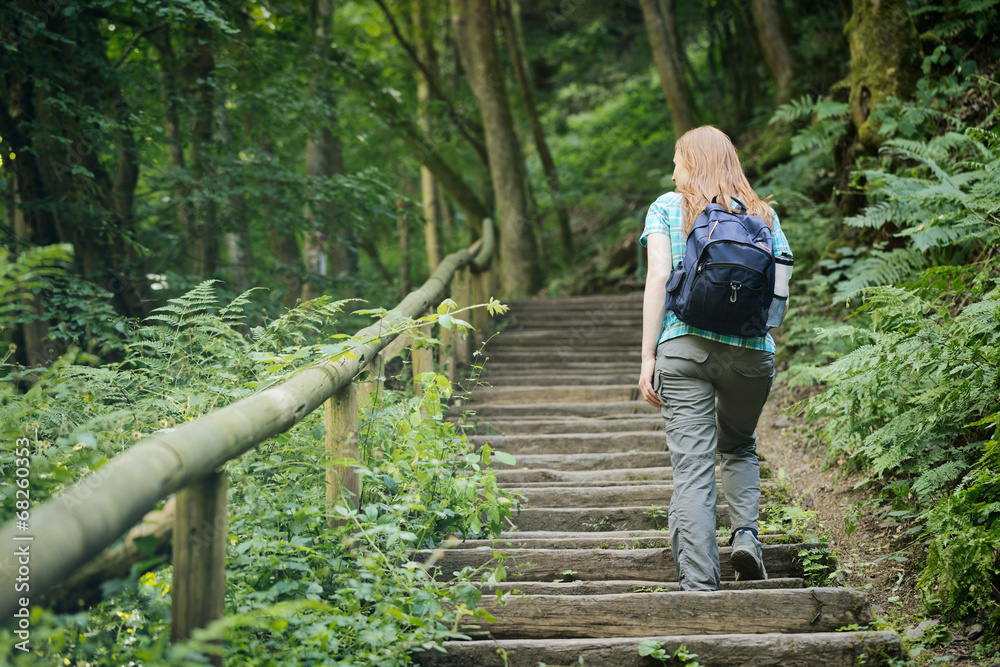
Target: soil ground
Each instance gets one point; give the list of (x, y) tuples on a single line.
[(871, 557)]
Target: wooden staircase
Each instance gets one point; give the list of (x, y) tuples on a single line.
[(589, 564)]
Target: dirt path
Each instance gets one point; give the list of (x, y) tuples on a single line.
[(876, 557)]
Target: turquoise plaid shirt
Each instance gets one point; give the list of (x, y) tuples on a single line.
[(665, 216)]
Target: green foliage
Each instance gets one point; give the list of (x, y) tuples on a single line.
[(297, 589), (914, 400), (679, 658)]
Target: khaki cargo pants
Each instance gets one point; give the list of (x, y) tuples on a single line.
[(712, 395)]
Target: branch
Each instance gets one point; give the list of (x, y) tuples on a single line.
[(139, 35), (460, 121)]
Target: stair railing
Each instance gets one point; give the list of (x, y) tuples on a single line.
[(72, 528)]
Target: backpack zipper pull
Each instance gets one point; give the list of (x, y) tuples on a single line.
[(736, 288)]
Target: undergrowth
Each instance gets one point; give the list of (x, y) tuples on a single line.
[(360, 590)]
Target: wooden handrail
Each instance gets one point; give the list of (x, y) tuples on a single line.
[(69, 529)]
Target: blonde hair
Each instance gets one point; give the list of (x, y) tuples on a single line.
[(714, 169)]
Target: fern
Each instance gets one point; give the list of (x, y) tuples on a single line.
[(804, 107)]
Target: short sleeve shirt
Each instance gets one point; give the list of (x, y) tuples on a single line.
[(665, 216)]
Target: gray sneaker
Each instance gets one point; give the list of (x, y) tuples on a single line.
[(747, 556)]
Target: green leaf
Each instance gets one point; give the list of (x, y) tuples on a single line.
[(504, 457)]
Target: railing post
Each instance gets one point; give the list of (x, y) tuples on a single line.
[(342, 484), (461, 341), (198, 590), (373, 385), (421, 359), (480, 293)]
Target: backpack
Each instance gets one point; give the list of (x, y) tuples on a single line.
[(725, 283)]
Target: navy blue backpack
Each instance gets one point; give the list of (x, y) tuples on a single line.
[(725, 283)]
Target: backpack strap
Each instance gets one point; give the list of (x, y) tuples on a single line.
[(742, 210)]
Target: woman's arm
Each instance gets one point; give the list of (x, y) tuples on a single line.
[(658, 261)]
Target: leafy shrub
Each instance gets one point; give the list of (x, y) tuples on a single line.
[(298, 590)]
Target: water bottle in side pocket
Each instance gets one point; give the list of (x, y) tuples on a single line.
[(782, 276)]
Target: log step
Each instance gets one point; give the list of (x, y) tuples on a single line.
[(602, 409), (555, 425), (645, 539), (608, 586), (641, 614), (781, 560), (588, 462), (558, 477), (819, 649), (499, 378), (594, 519), (579, 443), (584, 393), (596, 496)]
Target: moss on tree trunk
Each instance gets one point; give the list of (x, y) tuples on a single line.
[(885, 60)]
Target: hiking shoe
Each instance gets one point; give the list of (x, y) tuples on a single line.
[(747, 556)]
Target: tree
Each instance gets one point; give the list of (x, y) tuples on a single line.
[(885, 60), (324, 160), (428, 186), (772, 28), (658, 15), (204, 229), (475, 30), (507, 20)]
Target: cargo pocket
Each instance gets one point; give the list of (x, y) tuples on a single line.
[(675, 358), (758, 366)]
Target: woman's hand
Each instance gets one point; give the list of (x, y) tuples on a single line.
[(646, 382)]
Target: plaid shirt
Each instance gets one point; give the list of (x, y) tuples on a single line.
[(665, 216)]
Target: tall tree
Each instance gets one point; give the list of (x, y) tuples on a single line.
[(657, 15), (475, 33), (508, 24), (772, 28), (428, 186), (885, 60), (204, 231), (324, 159)]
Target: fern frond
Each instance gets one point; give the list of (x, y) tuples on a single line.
[(794, 110), (233, 313)]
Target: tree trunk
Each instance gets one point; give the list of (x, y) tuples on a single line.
[(171, 96), (519, 274), (772, 27), (403, 232), (204, 232), (668, 65), (885, 60), (428, 187), (31, 224), (324, 247), (548, 164)]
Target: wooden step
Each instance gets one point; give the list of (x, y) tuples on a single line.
[(818, 649), (588, 462), (636, 539), (641, 614), (581, 393), (603, 409), (557, 425), (555, 477), (656, 564), (597, 496), (616, 495), (501, 379), (580, 443), (589, 519), (606, 586)]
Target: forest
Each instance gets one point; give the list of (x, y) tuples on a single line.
[(202, 197)]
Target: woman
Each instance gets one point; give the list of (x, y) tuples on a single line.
[(709, 387)]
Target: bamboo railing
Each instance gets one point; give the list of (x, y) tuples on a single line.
[(72, 528)]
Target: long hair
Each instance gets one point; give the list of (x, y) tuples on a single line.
[(713, 168)]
